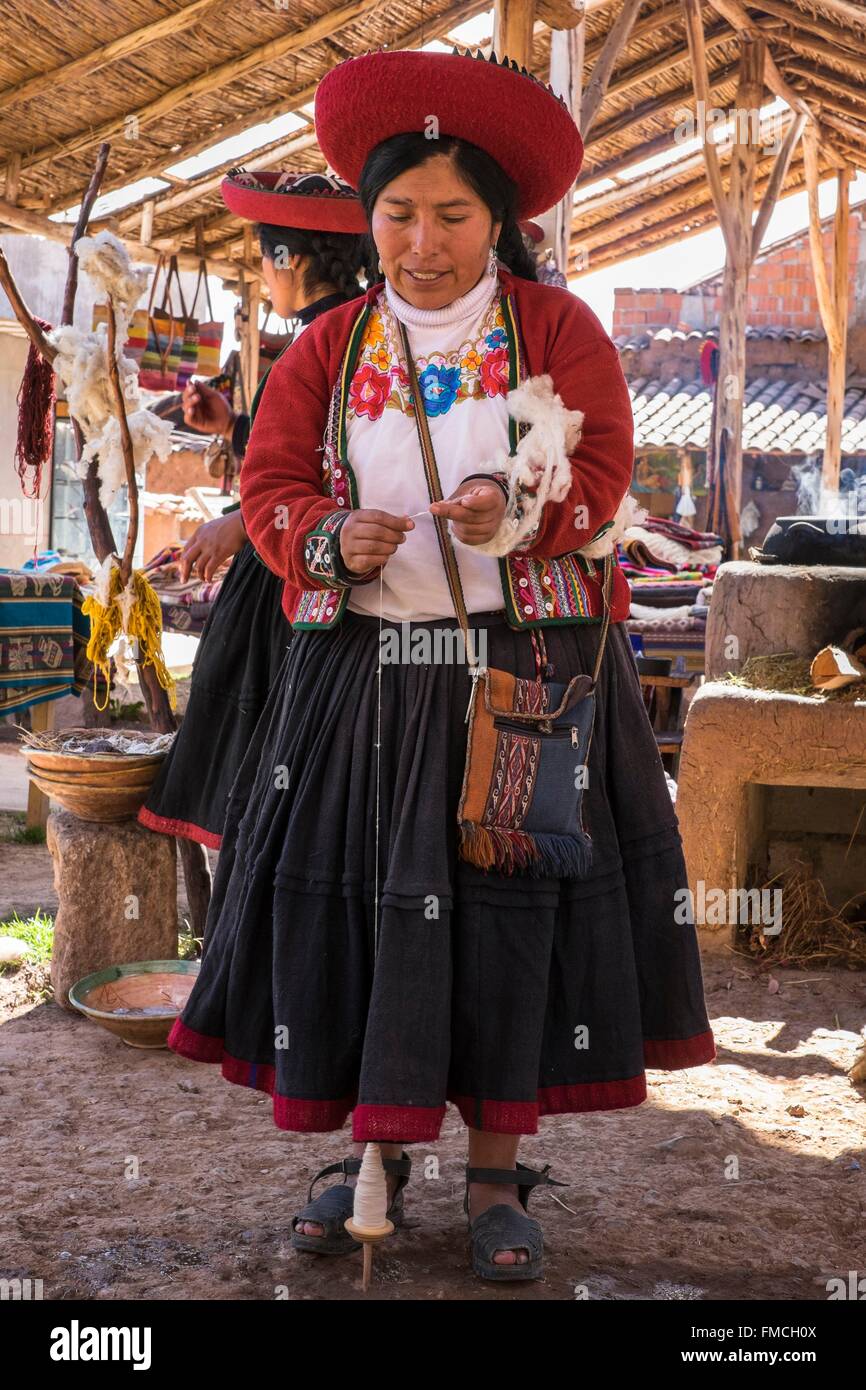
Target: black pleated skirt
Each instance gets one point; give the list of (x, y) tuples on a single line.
[(240, 651), (511, 997)]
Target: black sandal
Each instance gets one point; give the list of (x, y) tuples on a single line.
[(334, 1206), (500, 1227)]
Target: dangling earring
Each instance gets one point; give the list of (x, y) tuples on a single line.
[(491, 264), (379, 270)]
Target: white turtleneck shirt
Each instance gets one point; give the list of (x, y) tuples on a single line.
[(461, 356)]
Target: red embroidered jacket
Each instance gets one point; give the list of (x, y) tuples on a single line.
[(296, 482)]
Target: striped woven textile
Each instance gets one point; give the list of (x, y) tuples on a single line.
[(43, 639)]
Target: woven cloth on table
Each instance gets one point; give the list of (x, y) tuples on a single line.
[(646, 547), (43, 639), (681, 638), (685, 535), (665, 595)]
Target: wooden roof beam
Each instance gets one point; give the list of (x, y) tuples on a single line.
[(17, 219), (208, 81), (739, 17), (781, 165), (795, 19), (652, 180), (659, 63), (462, 11), (845, 127), (677, 225), (596, 88), (818, 49), (850, 90), (700, 78), (847, 13), (200, 188), (656, 106), (643, 213), (106, 53)]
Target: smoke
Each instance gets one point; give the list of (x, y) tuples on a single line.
[(813, 499)]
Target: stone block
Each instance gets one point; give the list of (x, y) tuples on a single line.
[(117, 897)]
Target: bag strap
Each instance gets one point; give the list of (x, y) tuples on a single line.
[(174, 273), (202, 275), (160, 265), (606, 594), (445, 543), (434, 487)]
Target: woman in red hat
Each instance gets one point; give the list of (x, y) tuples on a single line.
[(367, 955), (309, 228)]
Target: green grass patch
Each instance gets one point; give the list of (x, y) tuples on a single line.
[(14, 830), (37, 931)]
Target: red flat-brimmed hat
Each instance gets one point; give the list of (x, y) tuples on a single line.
[(488, 102), (532, 230), (316, 202)]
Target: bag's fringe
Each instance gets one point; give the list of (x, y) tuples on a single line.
[(516, 851)]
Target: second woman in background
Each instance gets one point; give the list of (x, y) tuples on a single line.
[(309, 229)]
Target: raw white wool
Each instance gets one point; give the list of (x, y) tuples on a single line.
[(539, 470), (82, 365), (103, 580), (106, 261), (149, 434)]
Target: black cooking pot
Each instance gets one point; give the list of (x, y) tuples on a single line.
[(816, 540)]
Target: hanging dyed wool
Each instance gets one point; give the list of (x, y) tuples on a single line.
[(36, 398), (133, 613)]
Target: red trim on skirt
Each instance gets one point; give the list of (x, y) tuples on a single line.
[(676, 1053), (414, 1123), (166, 826)]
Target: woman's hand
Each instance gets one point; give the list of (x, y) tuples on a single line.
[(206, 409), (475, 510), (369, 538), (211, 545)]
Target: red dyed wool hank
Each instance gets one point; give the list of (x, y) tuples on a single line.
[(36, 398)]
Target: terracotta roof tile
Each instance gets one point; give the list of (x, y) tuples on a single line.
[(778, 416)]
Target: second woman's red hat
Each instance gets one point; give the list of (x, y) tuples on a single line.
[(315, 202), (490, 103)]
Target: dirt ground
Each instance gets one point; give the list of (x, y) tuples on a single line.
[(132, 1174)]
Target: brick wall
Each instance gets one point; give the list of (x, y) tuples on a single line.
[(781, 291)]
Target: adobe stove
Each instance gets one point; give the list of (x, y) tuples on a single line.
[(769, 778)]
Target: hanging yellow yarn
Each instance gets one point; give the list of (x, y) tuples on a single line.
[(143, 621)]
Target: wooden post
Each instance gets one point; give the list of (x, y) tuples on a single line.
[(13, 178), (836, 366), (147, 223), (734, 212), (735, 283), (605, 63), (832, 302), (41, 721), (249, 289), (566, 78), (512, 30)]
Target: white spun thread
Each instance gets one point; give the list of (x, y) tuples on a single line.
[(378, 762), (370, 1208)]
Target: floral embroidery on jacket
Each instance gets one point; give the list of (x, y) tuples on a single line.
[(380, 381)]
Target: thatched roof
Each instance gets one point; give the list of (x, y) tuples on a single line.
[(164, 81)]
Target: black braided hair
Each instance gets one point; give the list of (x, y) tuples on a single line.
[(336, 258), (480, 171), (512, 251)]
